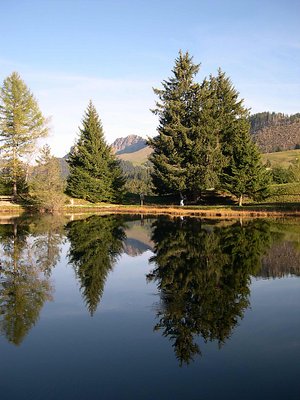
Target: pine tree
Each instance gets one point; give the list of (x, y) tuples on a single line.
[(95, 174), (201, 134), (21, 124), (204, 157), (175, 125), (227, 111), (242, 170), (246, 175)]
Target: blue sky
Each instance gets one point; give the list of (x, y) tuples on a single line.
[(115, 51)]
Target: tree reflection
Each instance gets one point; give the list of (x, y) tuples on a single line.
[(23, 286), (48, 232), (203, 275), (95, 244)]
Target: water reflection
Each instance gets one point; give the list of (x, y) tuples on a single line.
[(202, 269), (95, 245), (138, 236), (203, 275), (28, 252)]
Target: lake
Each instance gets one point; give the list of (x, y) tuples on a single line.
[(140, 307)]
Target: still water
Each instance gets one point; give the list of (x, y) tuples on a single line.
[(116, 307)]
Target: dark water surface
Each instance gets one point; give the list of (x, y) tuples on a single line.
[(116, 307)]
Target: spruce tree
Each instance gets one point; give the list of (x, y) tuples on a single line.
[(21, 124), (204, 159), (203, 137), (174, 110), (95, 174), (246, 175), (242, 171), (228, 112)]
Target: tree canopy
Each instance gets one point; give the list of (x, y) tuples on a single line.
[(202, 130), (21, 124), (46, 183), (95, 173)]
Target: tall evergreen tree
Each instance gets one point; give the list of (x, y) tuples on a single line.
[(175, 124), (204, 159), (243, 172), (228, 112), (246, 175), (95, 174), (21, 124), (204, 137)]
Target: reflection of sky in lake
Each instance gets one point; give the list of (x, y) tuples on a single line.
[(116, 354)]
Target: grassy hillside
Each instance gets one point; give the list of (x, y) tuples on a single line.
[(138, 157), (282, 158)]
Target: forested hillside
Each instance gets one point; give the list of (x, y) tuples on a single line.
[(275, 131)]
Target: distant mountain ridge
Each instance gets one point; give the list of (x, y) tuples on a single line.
[(271, 131), (275, 131), (128, 144)]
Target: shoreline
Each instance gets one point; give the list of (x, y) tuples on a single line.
[(251, 211), (213, 212)]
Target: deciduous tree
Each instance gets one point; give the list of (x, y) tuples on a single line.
[(47, 184), (21, 124)]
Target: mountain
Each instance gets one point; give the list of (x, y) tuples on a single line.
[(129, 144), (138, 237), (64, 167), (275, 131), (271, 131)]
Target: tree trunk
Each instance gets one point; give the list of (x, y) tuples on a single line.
[(14, 174), (15, 189), (240, 200), (27, 173)]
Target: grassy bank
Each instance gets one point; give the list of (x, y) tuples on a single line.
[(156, 206), (258, 210)]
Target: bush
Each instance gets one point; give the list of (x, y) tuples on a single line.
[(281, 175), (285, 193)]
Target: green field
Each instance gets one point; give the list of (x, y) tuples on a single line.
[(282, 158), (138, 157)]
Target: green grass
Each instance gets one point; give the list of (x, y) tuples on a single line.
[(138, 157), (281, 158)]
